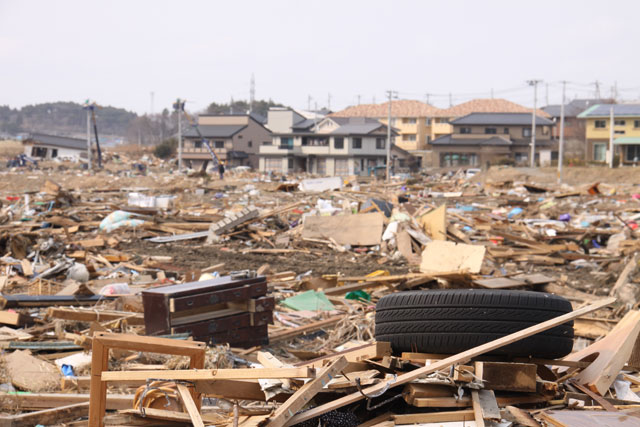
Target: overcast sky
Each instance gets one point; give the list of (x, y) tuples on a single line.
[(118, 52)]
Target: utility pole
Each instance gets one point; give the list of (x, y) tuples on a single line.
[(358, 99), (450, 100), (561, 151), (329, 101), (88, 108), (308, 102), (597, 93), (178, 106), (252, 93), (611, 133), (426, 97), (390, 94), (534, 83), (546, 93), (151, 104)]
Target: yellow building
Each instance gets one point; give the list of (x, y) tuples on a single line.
[(411, 119), (626, 132)]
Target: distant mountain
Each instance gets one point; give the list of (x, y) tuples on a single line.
[(63, 118)]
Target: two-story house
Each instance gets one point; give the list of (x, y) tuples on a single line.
[(479, 139), (235, 138), (332, 146), (410, 118), (626, 132)]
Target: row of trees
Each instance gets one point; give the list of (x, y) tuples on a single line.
[(69, 118)]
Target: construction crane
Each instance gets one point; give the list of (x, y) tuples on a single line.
[(205, 142), (91, 113)]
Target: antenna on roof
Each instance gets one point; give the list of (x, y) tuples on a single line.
[(252, 93), (309, 102), (426, 98)]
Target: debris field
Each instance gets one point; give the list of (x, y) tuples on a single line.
[(141, 298)]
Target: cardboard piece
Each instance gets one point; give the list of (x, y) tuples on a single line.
[(441, 256), (435, 223), (355, 230)]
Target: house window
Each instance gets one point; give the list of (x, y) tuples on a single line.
[(341, 167), (428, 122), (197, 144), (600, 124), (526, 132), (54, 153), (620, 122), (218, 144), (599, 152), (465, 130), (409, 121), (505, 131), (286, 142), (250, 144), (409, 137), (636, 123), (267, 142), (458, 159), (490, 131), (619, 132), (38, 152), (338, 143), (632, 153), (380, 143), (290, 163), (428, 139), (356, 143)]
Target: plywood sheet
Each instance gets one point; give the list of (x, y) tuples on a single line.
[(356, 230), (435, 223), (441, 256)]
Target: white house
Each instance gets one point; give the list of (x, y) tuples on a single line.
[(332, 146), (49, 147)]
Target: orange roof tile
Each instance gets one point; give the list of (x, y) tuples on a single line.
[(399, 108), (487, 106)]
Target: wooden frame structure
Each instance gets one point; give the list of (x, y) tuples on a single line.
[(103, 342)]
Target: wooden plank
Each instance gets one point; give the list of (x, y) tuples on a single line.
[(374, 351), (612, 353), (522, 417), (52, 416), (209, 374), (190, 405), (80, 315), (35, 401), (435, 417), (181, 417), (356, 230), (284, 413), (151, 344), (464, 356), (14, 318), (301, 330), (478, 415), (435, 223)]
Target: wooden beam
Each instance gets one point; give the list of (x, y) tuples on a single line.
[(301, 397), (151, 344), (435, 417), (190, 406), (464, 356), (51, 416), (301, 330), (35, 401), (209, 374), (374, 351), (80, 315)]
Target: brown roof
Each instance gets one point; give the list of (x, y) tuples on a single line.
[(399, 108), (487, 106)]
